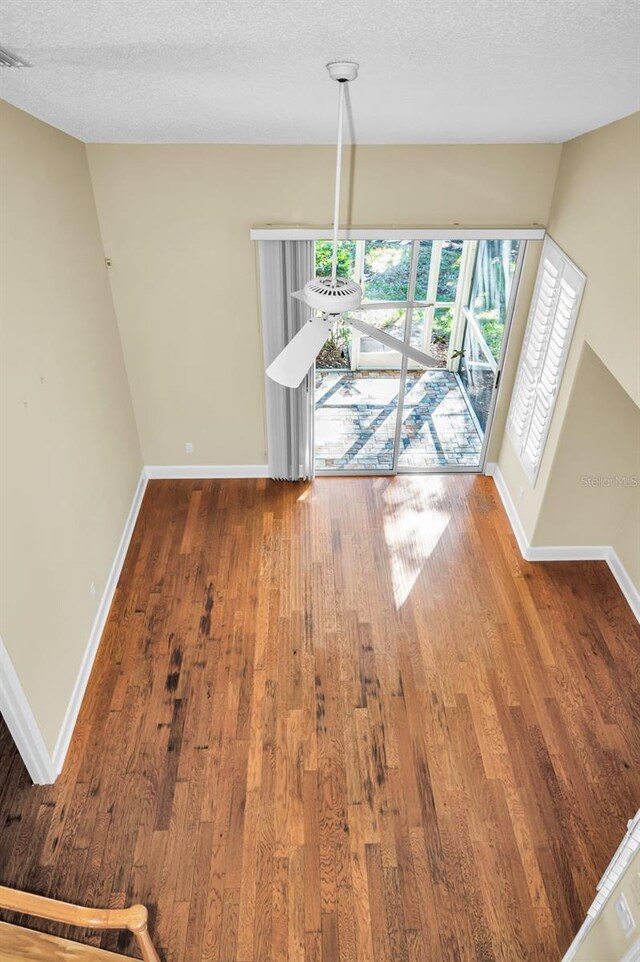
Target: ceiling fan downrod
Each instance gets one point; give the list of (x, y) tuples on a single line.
[(342, 71), (336, 198)]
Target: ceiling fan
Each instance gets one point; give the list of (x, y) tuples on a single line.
[(329, 297)]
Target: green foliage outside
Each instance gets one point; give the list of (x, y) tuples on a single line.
[(386, 268), (442, 320), (492, 328), (386, 278), (346, 258), (495, 265)]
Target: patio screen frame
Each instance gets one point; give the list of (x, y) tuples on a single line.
[(497, 365), (460, 315)]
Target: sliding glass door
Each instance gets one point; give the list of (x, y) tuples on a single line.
[(378, 412), (355, 415), (486, 316)]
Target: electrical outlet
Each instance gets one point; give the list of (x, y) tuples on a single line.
[(625, 918), (520, 494), (189, 447), (92, 589)]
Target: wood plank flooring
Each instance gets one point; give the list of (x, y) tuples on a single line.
[(342, 721)]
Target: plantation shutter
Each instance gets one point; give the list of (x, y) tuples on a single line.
[(552, 318)]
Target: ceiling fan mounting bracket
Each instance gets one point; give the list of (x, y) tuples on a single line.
[(343, 70)]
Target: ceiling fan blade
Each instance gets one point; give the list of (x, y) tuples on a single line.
[(293, 362), (299, 296), (425, 359)]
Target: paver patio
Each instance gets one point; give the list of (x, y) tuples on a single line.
[(356, 421)]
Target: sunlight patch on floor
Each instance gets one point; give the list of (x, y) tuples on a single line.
[(413, 526)]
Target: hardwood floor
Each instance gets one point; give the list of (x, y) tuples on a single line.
[(342, 721)]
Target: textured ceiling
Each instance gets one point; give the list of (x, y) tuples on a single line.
[(252, 71)]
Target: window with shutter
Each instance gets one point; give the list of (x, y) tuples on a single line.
[(552, 318)]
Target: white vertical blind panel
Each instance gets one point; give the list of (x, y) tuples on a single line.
[(552, 318), (285, 266)]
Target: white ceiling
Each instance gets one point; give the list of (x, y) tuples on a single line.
[(252, 71)]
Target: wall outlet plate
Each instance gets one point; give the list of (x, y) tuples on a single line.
[(627, 923)]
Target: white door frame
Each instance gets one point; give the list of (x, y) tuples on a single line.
[(499, 364), (398, 233)]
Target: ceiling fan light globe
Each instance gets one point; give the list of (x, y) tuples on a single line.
[(332, 297)]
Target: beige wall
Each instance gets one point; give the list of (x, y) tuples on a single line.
[(70, 454), (594, 218), (176, 219), (605, 941), (601, 442)]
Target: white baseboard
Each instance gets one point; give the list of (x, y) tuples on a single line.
[(167, 472), (148, 472), (494, 472), (14, 706), (564, 552), (153, 471), (625, 583), (68, 725), (20, 721)]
